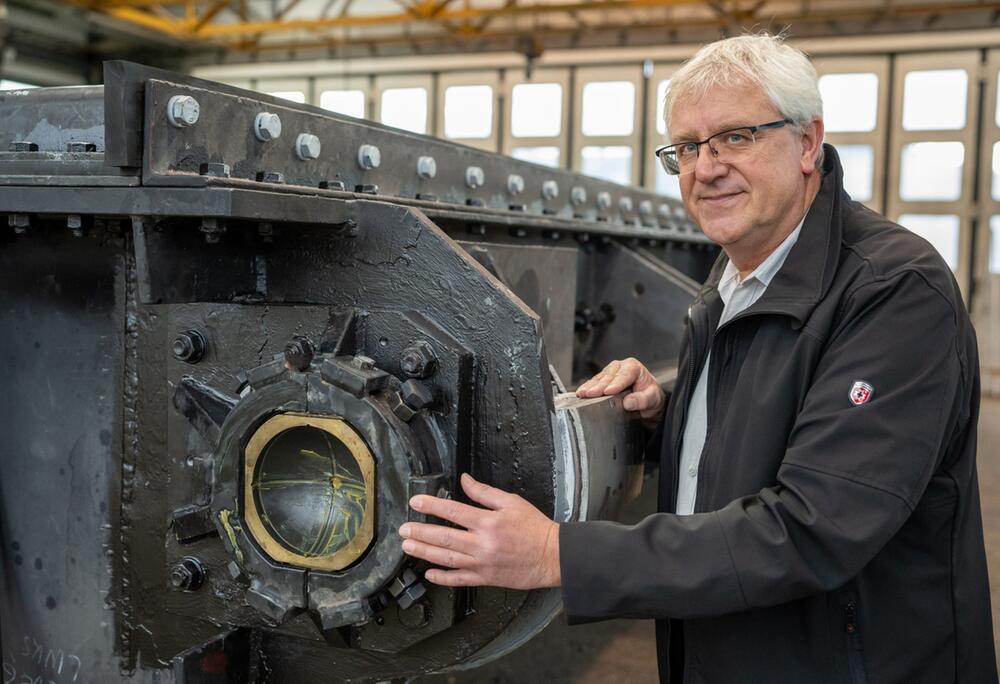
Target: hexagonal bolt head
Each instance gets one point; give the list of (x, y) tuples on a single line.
[(188, 574), (427, 167), (399, 407), (474, 177), (604, 200), (411, 595), (75, 224), (19, 222), (418, 360), (550, 189), (625, 205), (515, 184), (415, 616), (664, 213), (363, 362), (183, 111), (270, 177), (267, 126), (299, 352), (680, 212), (577, 195), (22, 146), (646, 208), (213, 229), (416, 395), (215, 169), (307, 146), (369, 157), (189, 346), (77, 146), (235, 571)]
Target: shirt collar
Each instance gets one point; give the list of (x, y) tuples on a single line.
[(767, 269)]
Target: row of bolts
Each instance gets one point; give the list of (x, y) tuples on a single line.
[(183, 111)]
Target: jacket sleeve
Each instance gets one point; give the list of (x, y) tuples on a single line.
[(850, 477)]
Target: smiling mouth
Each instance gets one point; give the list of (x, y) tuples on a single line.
[(719, 198)]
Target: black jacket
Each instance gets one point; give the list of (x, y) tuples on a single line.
[(831, 541)]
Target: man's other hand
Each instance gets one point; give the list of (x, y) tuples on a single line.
[(509, 543), (646, 396)]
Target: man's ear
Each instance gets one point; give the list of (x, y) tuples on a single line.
[(812, 145)]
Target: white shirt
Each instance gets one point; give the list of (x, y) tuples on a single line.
[(736, 296)]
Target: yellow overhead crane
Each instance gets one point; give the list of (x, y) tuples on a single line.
[(241, 24)]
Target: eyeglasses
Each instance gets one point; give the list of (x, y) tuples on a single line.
[(728, 146)]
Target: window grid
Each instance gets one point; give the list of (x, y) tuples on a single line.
[(986, 302), (585, 76), (962, 205), (559, 141)]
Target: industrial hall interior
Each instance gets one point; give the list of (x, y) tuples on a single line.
[(454, 341)]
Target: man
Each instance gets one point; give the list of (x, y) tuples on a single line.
[(820, 513)]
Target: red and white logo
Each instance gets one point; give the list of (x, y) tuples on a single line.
[(860, 392)]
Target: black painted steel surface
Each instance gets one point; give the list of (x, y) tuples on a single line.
[(171, 283)]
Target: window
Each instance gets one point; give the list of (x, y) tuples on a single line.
[(859, 167), (996, 171), (850, 102), (608, 108), (468, 111), (935, 100), (349, 102), (610, 162), (545, 155), (661, 94), (536, 110), (940, 230), (995, 245), (15, 85), (293, 95), (405, 108), (931, 171)]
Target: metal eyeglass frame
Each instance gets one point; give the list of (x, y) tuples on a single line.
[(660, 151)]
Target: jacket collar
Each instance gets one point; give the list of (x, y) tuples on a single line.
[(807, 273)]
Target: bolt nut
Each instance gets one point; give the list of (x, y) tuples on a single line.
[(299, 353), (189, 346), (80, 146), (578, 195), (418, 360), (646, 209), (188, 574), (307, 146), (515, 184), (664, 213), (415, 616), (411, 595), (550, 189), (625, 205), (75, 224), (183, 111), (267, 126), (604, 200), (426, 167), (215, 169), (235, 571), (19, 222), (416, 395), (680, 212), (270, 177), (22, 146), (474, 177), (399, 407), (369, 157), (363, 362)]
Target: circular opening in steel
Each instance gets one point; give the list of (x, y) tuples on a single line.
[(309, 491)]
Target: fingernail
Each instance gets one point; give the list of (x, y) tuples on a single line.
[(416, 504), (408, 546), (404, 530)]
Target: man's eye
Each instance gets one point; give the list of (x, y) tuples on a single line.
[(687, 150), (736, 138)]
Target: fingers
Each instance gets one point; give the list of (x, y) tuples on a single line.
[(595, 386), (439, 535), (436, 555), (491, 497), (645, 399), (454, 578), (616, 377), (447, 509)]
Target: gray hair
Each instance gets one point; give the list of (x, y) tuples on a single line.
[(784, 73)]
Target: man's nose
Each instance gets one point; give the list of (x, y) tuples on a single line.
[(707, 166)]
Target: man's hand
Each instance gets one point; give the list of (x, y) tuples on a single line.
[(646, 396), (510, 543)]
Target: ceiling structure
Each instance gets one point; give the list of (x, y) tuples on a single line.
[(243, 30)]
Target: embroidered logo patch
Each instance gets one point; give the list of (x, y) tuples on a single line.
[(860, 392)]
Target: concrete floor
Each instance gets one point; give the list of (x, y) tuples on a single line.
[(623, 650)]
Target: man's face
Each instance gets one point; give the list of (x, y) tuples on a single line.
[(747, 204)]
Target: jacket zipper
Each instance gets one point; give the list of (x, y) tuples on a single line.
[(853, 629)]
